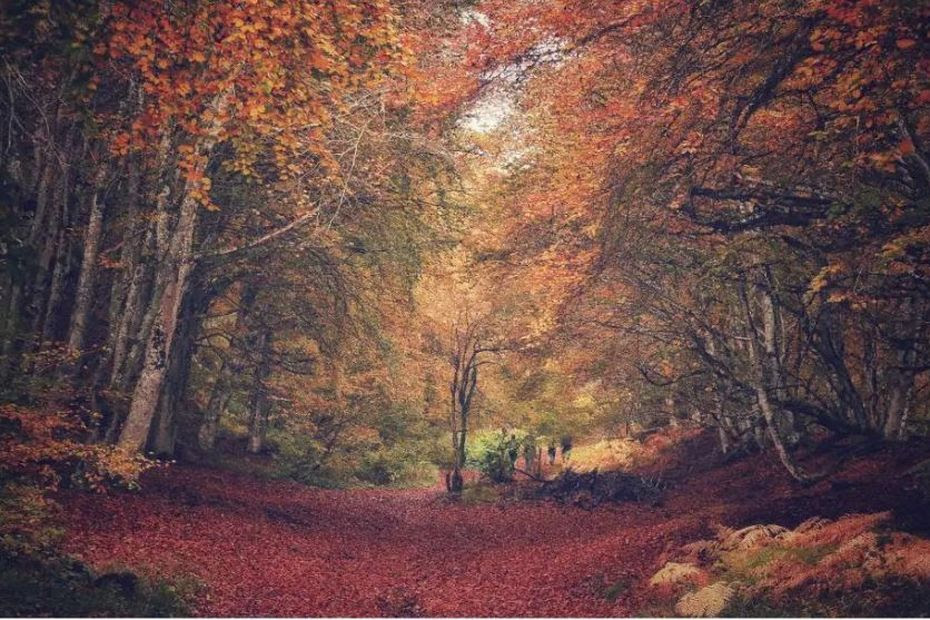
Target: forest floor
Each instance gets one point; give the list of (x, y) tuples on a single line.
[(274, 548)]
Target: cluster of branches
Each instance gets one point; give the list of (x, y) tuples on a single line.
[(775, 299)]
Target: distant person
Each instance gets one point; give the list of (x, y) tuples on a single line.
[(513, 450), (529, 452), (566, 448), (551, 451)]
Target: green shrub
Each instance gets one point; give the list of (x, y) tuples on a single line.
[(302, 458), (57, 586), (492, 452), (397, 466)]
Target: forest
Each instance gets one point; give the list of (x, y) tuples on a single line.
[(490, 308)]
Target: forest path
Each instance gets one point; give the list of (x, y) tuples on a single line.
[(275, 548)]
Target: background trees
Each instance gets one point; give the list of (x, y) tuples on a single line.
[(746, 174), (222, 214)]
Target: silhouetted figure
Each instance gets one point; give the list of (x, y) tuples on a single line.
[(529, 452), (551, 451), (566, 447), (513, 450)]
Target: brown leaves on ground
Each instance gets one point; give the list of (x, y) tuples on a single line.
[(276, 548)]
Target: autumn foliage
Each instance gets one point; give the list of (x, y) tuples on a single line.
[(348, 243)]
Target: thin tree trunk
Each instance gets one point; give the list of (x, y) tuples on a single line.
[(11, 330), (51, 237), (258, 399), (219, 398), (85, 287), (54, 298), (759, 380)]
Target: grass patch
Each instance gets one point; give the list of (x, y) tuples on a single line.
[(606, 454), (66, 588), (744, 605), (480, 494), (749, 566)]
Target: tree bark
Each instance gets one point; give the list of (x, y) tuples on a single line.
[(901, 380), (760, 380), (219, 398), (132, 318), (172, 280), (85, 288), (164, 439), (258, 399), (54, 297)]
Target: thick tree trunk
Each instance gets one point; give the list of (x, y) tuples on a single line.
[(456, 481), (898, 406), (172, 282), (171, 285), (132, 320), (164, 439), (902, 377)]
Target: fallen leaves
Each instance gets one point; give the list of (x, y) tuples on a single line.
[(267, 548)]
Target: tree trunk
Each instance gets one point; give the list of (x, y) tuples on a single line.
[(50, 239), (258, 399), (85, 287), (133, 320), (759, 379), (49, 325), (222, 387), (172, 280), (901, 381), (219, 398), (165, 437)]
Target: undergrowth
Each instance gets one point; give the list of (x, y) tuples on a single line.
[(480, 494), (745, 567), (59, 586), (889, 597)]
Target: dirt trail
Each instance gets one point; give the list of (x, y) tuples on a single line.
[(281, 549), (275, 548)]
